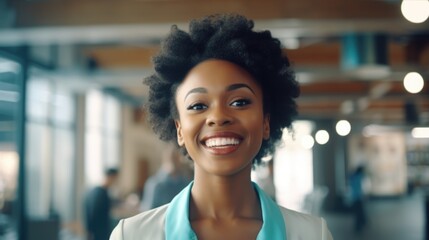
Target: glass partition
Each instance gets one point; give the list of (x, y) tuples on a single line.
[(9, 161)]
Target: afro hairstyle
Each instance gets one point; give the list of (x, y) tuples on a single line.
[(227, 37)]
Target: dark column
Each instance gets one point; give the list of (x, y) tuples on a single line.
[(329, 164), (21, 139)]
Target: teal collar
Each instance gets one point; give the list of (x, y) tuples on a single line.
[(177, 225)]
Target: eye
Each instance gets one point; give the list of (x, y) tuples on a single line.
[(240, 103), (196, 107)]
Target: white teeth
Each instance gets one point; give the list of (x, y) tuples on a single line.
[(219, 142)]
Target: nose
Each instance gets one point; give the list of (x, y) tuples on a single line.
[(219, 116)]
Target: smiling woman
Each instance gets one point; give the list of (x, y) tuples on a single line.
[(223, 93), (220, 126)]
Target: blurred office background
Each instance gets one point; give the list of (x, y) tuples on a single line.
[(71, 94)]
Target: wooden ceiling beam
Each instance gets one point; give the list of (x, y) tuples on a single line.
[(90, 12), (112, 57), (322, 54)]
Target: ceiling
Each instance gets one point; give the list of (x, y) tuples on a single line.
[(68, 37)]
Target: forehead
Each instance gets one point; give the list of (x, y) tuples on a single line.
[(217, 74)]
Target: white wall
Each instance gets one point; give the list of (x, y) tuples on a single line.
[(139, 143)]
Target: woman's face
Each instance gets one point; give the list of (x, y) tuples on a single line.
[(221, 119)]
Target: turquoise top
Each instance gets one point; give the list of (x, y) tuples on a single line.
[(177, 225)]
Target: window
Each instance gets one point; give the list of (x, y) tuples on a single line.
[(293, 167), (102, 135), (50, 149)]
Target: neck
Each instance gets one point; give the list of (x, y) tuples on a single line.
[(219, 197)]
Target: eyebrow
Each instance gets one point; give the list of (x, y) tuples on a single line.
[(231, 87), (196, 90), (237, 86)]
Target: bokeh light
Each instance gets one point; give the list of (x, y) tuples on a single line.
[(343, 127), (322, 137), (420, 132), (413, 82), (415, 11)]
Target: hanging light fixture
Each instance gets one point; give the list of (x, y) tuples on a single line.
[(365, 55), (415, 11), (413, 82), (343, 127), (322, 137)]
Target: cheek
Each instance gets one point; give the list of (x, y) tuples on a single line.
[(254, 121), (187, 130), (190, 128)]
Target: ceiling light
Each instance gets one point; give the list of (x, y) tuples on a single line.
[(420, 132), (290, 43), (343, 127), (415, 11), (322, 137), (413, 82), (347, 107), (365, 55)]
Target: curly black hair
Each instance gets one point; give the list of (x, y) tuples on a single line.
[(227, 37)]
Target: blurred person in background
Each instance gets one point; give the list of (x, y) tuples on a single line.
[(167, 182), (2, 193), (97, 207), (357, 198), (223, 93), (3, 218)]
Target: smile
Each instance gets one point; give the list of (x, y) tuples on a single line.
[(221, 142)]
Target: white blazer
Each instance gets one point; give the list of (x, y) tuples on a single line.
[(150, 226)]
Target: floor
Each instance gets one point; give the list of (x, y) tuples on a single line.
[(394, 219)]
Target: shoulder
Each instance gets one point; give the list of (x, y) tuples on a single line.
[(149, 224), (304, 226), (156, 179), (95, 192)]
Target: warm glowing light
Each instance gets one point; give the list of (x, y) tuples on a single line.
[(420, 132), (413, 82), (290, 43), (343, 127), (267, 158), (415, 11), (322, 137), (306, 141)]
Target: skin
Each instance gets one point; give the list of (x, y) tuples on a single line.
[(220, 102), (109, 180)]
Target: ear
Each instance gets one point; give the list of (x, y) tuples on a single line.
[(180, 140), (266, 127)]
